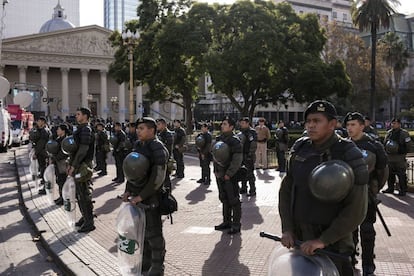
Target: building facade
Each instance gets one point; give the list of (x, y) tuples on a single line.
[(116, 12), (23, 17)]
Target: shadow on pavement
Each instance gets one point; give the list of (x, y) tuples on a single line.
[(401, 204), (198, 194), (250, 213), (264, 175), (227, 250)]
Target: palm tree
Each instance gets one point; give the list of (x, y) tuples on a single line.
[(371, 15), (396, 56)]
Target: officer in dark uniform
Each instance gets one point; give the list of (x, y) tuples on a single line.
[(42, 136), (397, 144), (179, 148), (228, 158), (369, 129), (376, 159), (80, 167), (101, 148), (167, 138), (119, 151), (249, 144), (309, 210), (282, 140), (203, 143), (59, 160), (147, 191), (132, 137)]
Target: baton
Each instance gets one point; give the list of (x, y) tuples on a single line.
[(298, 243), (383, 221)]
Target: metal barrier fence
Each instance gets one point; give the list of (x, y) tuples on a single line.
[(271, 158), (410, 173)]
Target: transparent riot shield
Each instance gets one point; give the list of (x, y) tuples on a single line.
[(69, 201), (34, 169), (131, 231), (49, 177)]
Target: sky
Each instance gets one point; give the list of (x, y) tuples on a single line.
[(95, 17)]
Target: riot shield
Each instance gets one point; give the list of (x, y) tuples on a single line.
[(69, 201), (49, 177)]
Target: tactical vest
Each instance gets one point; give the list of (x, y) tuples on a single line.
[(83, 135)]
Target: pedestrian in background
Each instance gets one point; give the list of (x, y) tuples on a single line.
[(167, 138), (119, 151), (263, 135), (249, 144), (40, 140), (203, 143)]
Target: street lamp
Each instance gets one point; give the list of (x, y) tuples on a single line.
[(114, 104), (130, 39)]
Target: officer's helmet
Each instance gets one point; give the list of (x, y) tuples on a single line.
[(113, 140), (52, 147), (241, 137), (69, 145), (391, 146), (370, 158), (279, 133), (135, 167), (221, 153), (200, 141), (331, 181)]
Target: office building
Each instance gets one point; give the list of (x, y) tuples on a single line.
[(116, 12)]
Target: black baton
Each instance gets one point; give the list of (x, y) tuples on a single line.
[(383, 221)]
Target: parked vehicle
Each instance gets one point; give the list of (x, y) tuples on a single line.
[(5, 130), (22, 123)]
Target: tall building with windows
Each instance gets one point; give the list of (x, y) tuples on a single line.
[(116, 12), (23, 17)]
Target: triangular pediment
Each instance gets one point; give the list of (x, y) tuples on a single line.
[(83, 41)]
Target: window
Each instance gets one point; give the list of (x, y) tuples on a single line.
[(334, 14)]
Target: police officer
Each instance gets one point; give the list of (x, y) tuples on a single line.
[(59, 160), (119, 151), (249, 144), (147, 191), (203, 143), (179, 148), (167, 138), (376, 159), (369, 129), (101, 148), (131, 137), (311, 209), (42, 136), (80, 167), (228, 158), (397, 144), (282, 140)]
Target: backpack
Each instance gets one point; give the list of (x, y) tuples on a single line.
[(168, 203)]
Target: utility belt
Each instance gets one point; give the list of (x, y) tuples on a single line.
[(262, 141)]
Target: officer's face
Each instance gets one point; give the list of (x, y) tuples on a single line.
[(60, 132), (81, 118), (319, 128), (244, 124), (395, 125), (40, 123), (160, 126), (355, 129), (226, 127), (145, 133)]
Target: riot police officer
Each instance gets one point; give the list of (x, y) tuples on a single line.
[(228, 158), (203, 143), (39, 140), (146, 189), (369, 129), (167, 138), (397, 144), (376, 159), (131, 136), (101, 148), (311, 208), (119, 151), (80, 167), (249, 144), (179, 148), (282, 140)]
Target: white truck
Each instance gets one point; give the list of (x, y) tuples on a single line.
[(6, 136)]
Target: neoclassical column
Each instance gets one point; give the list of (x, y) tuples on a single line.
[(139, 106), (173, 111), (65, 92), (43, 81), (104, 95), (22, 73), (121, 98), (155, 109), (84, 73)]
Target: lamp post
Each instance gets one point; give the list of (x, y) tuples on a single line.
[(130, 39)]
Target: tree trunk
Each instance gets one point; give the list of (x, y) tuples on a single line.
[(373, 62)]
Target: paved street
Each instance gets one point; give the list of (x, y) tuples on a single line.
[(19, 254), (193, 247)]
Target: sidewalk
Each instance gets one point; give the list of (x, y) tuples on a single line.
[(193, 247)]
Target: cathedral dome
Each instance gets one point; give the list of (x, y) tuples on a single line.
[(58, 21)]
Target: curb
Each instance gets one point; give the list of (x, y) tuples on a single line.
[(32, 214)]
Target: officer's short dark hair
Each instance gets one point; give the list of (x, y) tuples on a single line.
[(42, 118), (321, 106), (177, 121), (204, 125), (161, 120), (148, 121), (398, 120), (354, 116), (230, 120), (85, 111), (100, 124), (245, 119), (65, 128)]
